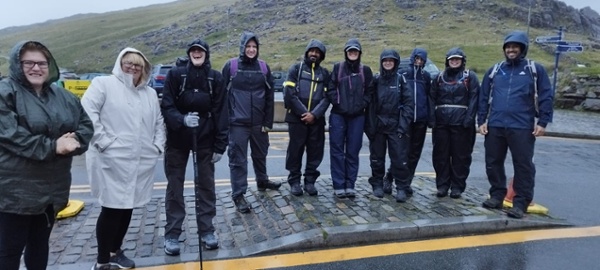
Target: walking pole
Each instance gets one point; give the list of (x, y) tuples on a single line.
[(195, 161)]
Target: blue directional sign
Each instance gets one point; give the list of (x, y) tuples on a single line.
[(569, 43), (567, 48), (547, 39)]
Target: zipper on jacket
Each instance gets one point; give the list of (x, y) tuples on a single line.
[(313, 86), (415, 91)]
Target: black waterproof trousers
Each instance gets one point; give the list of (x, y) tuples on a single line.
[(205, 198), (521, 144), (309, 138), (417, 133), (452, 149), (398, 151)]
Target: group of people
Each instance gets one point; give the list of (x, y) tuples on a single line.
[(207, 112)]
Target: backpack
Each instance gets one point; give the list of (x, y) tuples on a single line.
[(534, 76), (233, 69), (182, 61)]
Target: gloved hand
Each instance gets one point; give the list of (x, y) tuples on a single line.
[(191, 120), (216, 157), (265, 129)]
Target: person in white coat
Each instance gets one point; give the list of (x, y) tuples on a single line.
[(128, 139)]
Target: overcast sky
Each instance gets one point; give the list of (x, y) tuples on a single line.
[(17, 13)]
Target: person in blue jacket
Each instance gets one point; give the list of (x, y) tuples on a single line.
[(349, 92), (513, 93)]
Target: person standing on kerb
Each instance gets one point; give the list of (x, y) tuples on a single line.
[(389, 115), (349, 92), (306, 103), (513, 94), (194, 106), (251, 107)]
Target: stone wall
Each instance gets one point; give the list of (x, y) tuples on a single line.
[(579, 92)]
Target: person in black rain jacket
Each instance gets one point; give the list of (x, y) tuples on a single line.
[(388, 124), (455, 94), (306, 103)]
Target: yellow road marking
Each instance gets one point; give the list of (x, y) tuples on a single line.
[(371, 251), (218, 182)]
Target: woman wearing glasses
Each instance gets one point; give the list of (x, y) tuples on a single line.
[(128, 138), (42, 127)]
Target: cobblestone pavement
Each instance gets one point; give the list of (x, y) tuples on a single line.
[(280, 221)]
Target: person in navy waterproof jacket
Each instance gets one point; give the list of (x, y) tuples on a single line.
[(511, 96), (349, 92)]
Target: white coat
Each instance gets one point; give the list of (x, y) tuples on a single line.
[(129, 137)]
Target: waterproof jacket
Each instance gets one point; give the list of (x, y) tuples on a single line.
[(350, 92), (305, 88), (204, 92), (420, 82), (129, 136), (512, 92), (392, 107), (250, 92), (32, 175), (455, 95)]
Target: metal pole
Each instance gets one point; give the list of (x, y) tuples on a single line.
[(195, 161), (528, 18), (557, 54)]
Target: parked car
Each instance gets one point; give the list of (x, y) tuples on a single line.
[(157, 78), (429, 67), (90, 76), (279, 78)]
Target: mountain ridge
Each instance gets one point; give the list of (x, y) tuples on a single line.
[(91, 42)]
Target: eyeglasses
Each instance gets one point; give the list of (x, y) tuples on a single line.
[(30, 64), (131, 64)]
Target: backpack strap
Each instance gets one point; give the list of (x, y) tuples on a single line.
[(233, 69), (497, 67), (182, 86), (533, 72), (465, 78)]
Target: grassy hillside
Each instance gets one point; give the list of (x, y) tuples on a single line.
[(91, 42)]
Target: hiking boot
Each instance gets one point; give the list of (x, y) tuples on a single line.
[(121, 261), (172, 246), (264, 185), (107, 266), (401, 196), (378, 191), (241, 204), (296, 189), (210, 241), (409, 191), (492, 203), (515, 212), (441, 193), (350, 193), (310, 188), (455, 194), (340, 193)]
